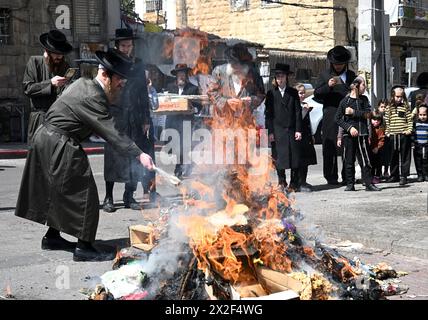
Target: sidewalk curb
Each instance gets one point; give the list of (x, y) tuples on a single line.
[(22, 153)]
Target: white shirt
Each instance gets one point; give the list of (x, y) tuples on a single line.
[(343, 76), (180, 90), (282, 90)]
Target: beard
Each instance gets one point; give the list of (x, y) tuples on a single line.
[(56, 66), (181, 82), (240, 73), (112, 94)]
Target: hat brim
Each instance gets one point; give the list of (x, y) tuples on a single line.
[(64, 49), (336, 61), (276, 71), (100, 56), (125, 38), (174, 72)]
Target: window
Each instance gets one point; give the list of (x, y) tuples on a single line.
[(239, 5), (153, 5), (5, 26)]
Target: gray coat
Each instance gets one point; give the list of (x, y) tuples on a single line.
[(57, 187), (38, 87)]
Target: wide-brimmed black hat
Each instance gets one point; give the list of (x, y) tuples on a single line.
[(56, 42), (282, 68), (124, 34), (238, 53), (115, 62), (180, 67), (397, 86), (339, 55)]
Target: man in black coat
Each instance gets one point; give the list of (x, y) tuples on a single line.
[(284, 124), (132, 116), (333, 86), (44, 77), (57, 187), (182, 86)]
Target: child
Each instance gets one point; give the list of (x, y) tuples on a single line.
[(385, 153), (377, 141), (420, 139), (308, 154), (399, 126), (352, 115)]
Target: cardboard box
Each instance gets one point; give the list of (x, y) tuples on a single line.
[(273, 285), (142, 237), (173, 105)]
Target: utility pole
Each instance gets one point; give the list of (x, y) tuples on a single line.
[(374, 48)]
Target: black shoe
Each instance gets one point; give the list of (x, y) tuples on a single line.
[(333, 182), (154, 196), (108, 205), (91, 254), (392, 179), (306, 187), (420, 179), (131, 203), (403, 181), (372, 187), (350, 187), (57, 244)]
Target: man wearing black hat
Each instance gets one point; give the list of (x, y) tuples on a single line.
[(284, 124), (132, 116), (182, 86), (333, 86), (237, 81), (44, 77), (57, 187)]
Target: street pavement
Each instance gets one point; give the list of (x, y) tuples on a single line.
[(390, 225)]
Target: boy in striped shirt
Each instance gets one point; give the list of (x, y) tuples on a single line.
[(420, 139), (399, 127)]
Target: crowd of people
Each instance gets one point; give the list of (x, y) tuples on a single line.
[(58, 188)]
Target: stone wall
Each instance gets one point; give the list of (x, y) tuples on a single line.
[(274, 25)]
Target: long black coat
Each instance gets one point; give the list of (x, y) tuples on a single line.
[(330, 98), (284, 119), (38, 87), (57, 187), (308, 155), (130, 115)]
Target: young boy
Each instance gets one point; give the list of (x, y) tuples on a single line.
[(352, 115), (420, 139), (399, 126)]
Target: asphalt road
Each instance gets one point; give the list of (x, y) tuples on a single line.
[(391, 225)]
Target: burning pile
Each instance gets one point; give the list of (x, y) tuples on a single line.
[(240, 240)]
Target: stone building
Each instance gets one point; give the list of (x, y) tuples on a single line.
[(87, 24), (300, 32)]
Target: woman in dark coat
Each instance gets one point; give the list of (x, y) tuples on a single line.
[(284, 124), (308, 156), (57, 187)]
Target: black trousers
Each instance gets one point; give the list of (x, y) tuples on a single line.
[(376, 164), (282, 179), (420, 154), (354, 146), (400, 155)]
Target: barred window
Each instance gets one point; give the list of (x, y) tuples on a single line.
[(153, 5), (5, 26), (239, 5)]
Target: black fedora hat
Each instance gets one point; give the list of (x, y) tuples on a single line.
[(124, 34), (238, 53), (56, 42), (282, 68), (339, 55), (115, 62), (180, 67)]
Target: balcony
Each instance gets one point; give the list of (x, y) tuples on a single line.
[(409, 19)]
